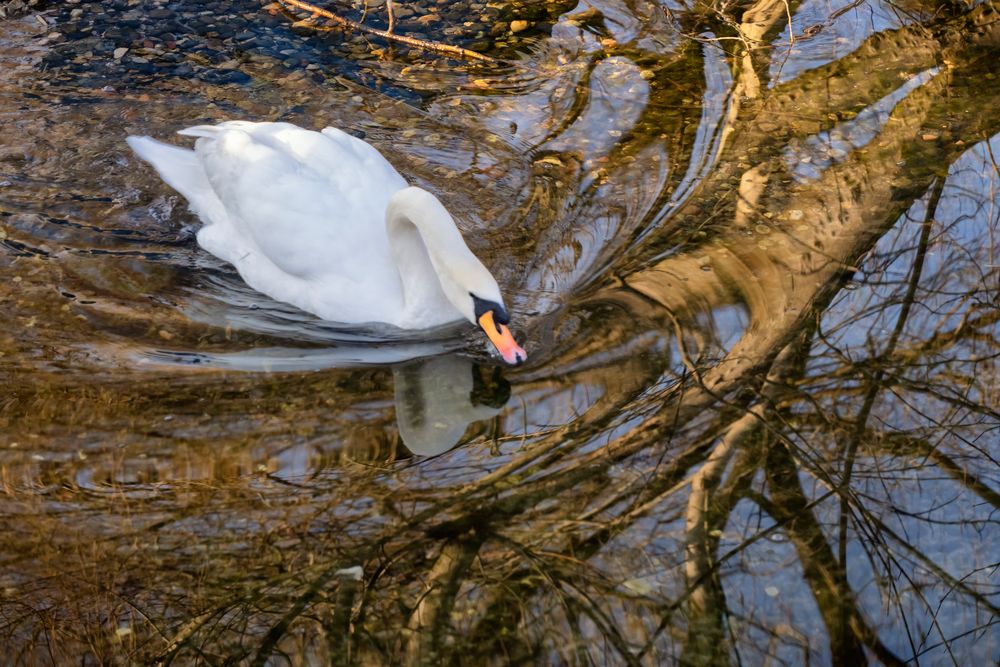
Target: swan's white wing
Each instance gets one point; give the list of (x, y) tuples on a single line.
[(312, 203)]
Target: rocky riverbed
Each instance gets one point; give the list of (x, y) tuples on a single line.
[(122, 43)]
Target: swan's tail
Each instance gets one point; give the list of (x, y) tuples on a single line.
[(181, 169)]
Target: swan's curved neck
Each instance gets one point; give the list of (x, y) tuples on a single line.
[(429, 252)]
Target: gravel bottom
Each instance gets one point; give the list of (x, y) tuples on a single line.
[(13, 8), (123, 43)]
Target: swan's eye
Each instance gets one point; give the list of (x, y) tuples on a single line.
[(483, 306)]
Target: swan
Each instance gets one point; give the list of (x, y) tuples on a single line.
[(322, 221)]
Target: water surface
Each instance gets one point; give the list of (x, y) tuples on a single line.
[(756, 274)]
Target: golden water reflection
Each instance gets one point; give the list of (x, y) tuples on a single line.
[(759, 422)]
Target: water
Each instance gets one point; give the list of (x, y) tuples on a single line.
[(760, 419)]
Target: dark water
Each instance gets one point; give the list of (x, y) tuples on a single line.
[(757, 277)]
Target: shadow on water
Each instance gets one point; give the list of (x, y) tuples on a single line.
[(756, 272)]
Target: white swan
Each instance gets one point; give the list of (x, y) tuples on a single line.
[(322, 221)]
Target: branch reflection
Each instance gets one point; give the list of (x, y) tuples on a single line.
[(760, 426)]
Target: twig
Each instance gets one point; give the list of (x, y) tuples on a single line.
[(446, 49), (843, 10), (791, 30), (391, 12)]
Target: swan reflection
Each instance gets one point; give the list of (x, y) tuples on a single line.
[(438, 398)]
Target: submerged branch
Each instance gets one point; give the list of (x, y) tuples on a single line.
[(390, 35)]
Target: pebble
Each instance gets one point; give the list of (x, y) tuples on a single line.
[(224, 76), (119, 52), (519, 26)]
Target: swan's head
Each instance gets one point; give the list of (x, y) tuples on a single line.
[(492, 318), (473, 290)]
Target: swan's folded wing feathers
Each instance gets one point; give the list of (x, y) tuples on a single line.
[(200, 131), (215, 130), (372, 162), (303, 223), (182, 170)]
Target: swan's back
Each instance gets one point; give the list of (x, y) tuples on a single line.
[(313, 202)]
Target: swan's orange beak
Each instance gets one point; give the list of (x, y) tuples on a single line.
[(502, 339)]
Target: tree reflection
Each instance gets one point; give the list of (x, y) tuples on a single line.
[(763, 428)]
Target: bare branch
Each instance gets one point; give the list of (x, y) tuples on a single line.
[(437, 47)]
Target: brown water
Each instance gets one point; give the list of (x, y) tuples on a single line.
[(760, 423)]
